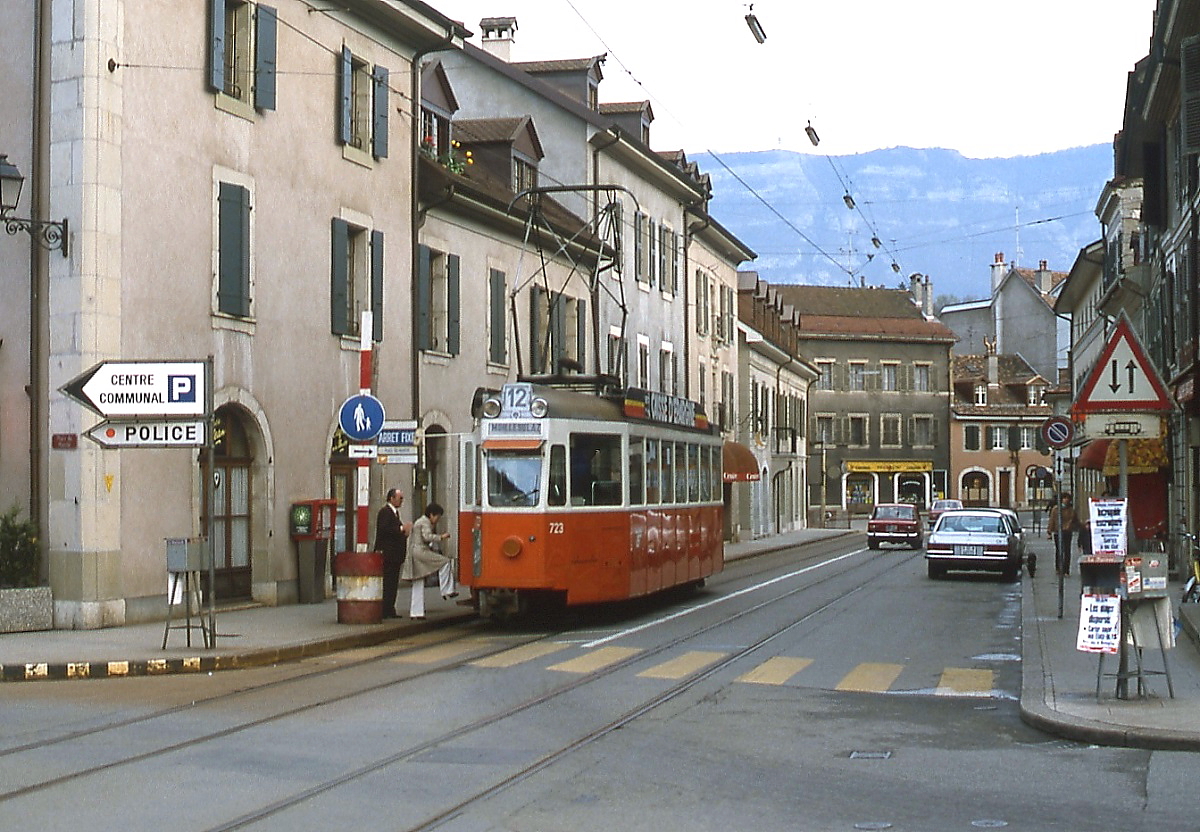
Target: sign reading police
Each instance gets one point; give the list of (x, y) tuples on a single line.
[(142, 388)]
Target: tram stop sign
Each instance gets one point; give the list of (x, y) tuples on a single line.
[(1057, 432)]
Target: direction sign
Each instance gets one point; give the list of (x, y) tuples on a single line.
[(150, 434), (398, 441), (142, 388), (1123, 380), (1057, 432), (361, 417)]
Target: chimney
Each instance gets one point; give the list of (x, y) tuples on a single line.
[(928, 297), (498, 36), (999, 269), (1044, 278)]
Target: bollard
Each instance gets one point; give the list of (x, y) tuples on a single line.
[(359, 587)]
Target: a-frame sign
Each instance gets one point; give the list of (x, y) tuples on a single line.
[(1124, 380)]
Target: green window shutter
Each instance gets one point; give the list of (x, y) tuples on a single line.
[(376, 286), (216, 45), (536, 359), (424, 296), (266, 26), (233, 222), (639, 245), (452, 303), (344, 76), (497, 337), (558, 329), (379, 122), (581, 332), (339, 278)]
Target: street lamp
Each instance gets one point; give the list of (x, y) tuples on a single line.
[(50, 235)]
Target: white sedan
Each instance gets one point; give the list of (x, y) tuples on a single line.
[(974, 540)]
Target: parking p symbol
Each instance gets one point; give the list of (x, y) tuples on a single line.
[(181, 388)]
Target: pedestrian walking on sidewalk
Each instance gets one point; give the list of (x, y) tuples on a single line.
[(1061, 528), (390, 540), (425, 557)]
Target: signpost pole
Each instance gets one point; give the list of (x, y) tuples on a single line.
[(364, 464), (210, 464)]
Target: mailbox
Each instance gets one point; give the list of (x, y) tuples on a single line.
[(312, 519)]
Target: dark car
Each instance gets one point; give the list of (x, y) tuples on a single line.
[(980, 539), (895, 523)]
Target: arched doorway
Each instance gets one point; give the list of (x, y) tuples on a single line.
[(343, 488), (231, 503), (438, 458), (975, 489)]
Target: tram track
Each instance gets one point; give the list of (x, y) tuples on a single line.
[(307, 706)]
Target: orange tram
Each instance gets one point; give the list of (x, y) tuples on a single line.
[(581, 496)]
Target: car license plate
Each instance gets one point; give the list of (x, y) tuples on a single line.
[(968, 549)]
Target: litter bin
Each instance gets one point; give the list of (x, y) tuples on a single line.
[(312, 528), (359, 587)]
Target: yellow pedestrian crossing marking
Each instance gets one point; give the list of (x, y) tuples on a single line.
[(595, 660), (518, 655), (775, 671), (684, 665), (870, 677), (961, 680)]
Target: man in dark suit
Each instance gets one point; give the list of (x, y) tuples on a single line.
[(391, 539)]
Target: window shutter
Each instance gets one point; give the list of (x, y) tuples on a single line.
[(639, 245), (339, 283), (344, 76), (233, 220), (558, 329), (266, 26), (497, 339), (379, 125), (423, 300), (376, 286), (535, 326), (1190, 94), (581, 332), (452, 303), (216, 45), (652, 251)]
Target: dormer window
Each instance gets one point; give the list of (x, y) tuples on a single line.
[(524, 174), (981, 394), (1036, 393)]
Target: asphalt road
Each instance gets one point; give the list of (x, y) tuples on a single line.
[(826, 688)]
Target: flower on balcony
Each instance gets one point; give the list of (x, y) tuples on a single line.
[(456, 160)]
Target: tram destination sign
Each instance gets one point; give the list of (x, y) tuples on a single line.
[(132, 389)]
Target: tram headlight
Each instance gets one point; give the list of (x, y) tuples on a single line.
[(538, 407), (510, 547), (491, 407)]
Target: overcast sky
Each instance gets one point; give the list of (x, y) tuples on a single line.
[(982, 77)]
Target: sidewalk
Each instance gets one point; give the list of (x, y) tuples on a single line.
[(1058, 682)]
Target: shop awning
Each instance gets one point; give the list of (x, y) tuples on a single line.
[(738, 463), (1144, 456)]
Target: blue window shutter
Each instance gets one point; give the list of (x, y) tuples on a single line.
[(424, 290), (266, 28), (345, 74), (581, 332), (379, 126), (377, 286), (216, 45), (452, 303), (339, 278), (233, 223), (498, 337)]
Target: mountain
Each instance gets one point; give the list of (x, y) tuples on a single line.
[(935, 212)]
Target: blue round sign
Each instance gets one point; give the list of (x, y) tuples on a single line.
[(361, 417)]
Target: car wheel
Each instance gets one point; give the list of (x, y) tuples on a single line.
[(872, 544), (935, 572)]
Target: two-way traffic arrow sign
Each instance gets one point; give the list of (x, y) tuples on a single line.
[(1124, 380)]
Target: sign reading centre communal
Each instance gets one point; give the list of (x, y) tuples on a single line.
[(142, 388)]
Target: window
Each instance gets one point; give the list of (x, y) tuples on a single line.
[(703, 302), (668, 471), (702, 378), (858, 430), (1028, 438), (640, 265), (858, 375), (890, 430), (653, 266), (824, 429), (921, 379), (437, 301), (525, 174), (616, 354), (241, 52), (363, 105), (971, 437), (668, 262), (513, 478), (435, 133), (825, 380), (233, 249), (643, 363), (653, 477), (597, 464), (923, 430), (637, 471), (356, 279), (999, 437), (497, 317), (727, 398), (557, 329), (1035, 393), (980, 394), (888, 377)]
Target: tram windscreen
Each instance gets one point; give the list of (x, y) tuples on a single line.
[(513, 478)]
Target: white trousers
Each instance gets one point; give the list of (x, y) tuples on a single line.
[(416, 606)]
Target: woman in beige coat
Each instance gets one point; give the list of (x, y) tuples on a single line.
[(425, 557)]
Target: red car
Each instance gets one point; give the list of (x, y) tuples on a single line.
[(935, 510), (895, 523)]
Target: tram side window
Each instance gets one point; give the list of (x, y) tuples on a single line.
[(470, 492), (637, 471), (668, 472), (514, 478), (653, 478), (705, 473), (596, 469), (558, 476), (693, 473), (718, 476), (681, 472)]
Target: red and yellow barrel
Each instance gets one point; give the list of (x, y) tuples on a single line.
[(359, 587)]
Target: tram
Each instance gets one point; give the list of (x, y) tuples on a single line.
[(582, 496)]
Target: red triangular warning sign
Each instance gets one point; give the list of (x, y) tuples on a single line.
[(1124, 380)]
